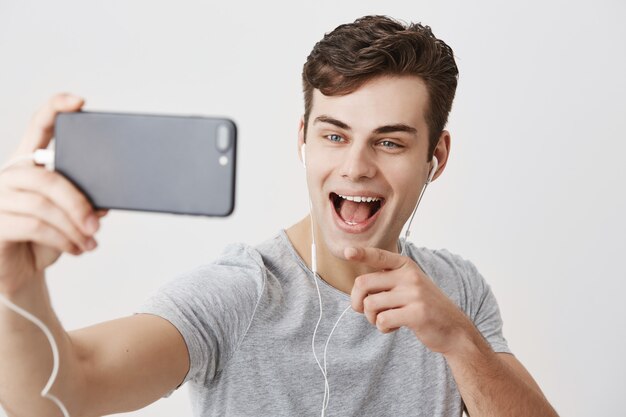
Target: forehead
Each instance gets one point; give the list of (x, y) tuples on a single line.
[(381, 101)]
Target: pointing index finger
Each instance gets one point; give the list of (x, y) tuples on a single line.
[(375, 257)]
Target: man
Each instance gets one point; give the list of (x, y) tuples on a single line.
[(414, 332)]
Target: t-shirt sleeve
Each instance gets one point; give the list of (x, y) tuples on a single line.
[(212, 307), (483, 309), (465, 286)]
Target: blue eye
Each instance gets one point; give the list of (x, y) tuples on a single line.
[(334, 138), (389, 144)]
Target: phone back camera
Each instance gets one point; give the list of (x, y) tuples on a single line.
[(223, 141)]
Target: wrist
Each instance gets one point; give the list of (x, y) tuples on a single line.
[(31, 296), (468, 344), (18, 288)]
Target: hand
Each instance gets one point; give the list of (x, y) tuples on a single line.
[(401, 294), (42, 214)]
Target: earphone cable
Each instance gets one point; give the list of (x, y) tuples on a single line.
[(319, 319), (407, 233), (55, 351), (39, 156), (326, 348)]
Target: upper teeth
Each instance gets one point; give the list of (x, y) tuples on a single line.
[(358, 199)]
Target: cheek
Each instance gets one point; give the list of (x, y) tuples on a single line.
[(321, 166), (405, 179), (407, 184), (316, 173)]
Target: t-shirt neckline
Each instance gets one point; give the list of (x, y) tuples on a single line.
[(303, 265)]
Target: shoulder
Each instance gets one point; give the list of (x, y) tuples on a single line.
[(212, 306), (237, 275), (238, 264), (442, 262), (462, 282), (214, 294), (238, 257), (242, 267), (279, 257)]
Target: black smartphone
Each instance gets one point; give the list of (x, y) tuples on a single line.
[(160, 163)]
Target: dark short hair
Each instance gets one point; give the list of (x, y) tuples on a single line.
[(373, 46)]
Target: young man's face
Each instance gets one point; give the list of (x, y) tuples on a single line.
[(368, 145)]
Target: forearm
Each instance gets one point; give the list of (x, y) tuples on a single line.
[(489, 387), (26, 357)]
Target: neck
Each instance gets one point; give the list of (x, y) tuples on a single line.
[(337, 272)]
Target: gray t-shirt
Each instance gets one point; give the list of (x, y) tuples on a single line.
[(248, 320)]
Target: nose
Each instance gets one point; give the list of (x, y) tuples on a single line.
[(358, 163)]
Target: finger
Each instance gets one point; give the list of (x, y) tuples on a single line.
[(371, 283), (101, 213), (18, 228), (59, 191), (41, 127), (39, 207), (374, 257), (391, 320), (374, 304)]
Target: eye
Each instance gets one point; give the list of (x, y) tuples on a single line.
[(389, 144), (334, 138)]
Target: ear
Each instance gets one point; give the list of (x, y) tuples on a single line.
[(300, 137), (442, 152)]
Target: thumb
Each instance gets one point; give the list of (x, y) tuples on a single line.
[(41, 128)]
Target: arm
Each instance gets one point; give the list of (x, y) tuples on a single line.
[(129, 363), (112, 367), (494, 384), (400, 294)]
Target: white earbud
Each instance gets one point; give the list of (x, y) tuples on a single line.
[(303, 154), (433, 171)]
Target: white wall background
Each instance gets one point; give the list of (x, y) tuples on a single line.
[(533, 193)]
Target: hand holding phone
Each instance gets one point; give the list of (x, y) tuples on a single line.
[(173, 164), (42, 214)]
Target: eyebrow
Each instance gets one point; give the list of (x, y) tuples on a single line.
[(397, 127), (332, 121)]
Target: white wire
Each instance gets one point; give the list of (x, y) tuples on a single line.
[(319, 296), (319, 319), (326, 347), (45, 393), (407, 233), (326, 398), (55, 351)]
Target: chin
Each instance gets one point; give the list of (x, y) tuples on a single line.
[(336, 241)]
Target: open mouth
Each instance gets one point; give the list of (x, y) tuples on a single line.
[(354, 210)]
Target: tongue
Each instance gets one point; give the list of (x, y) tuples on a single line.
[(354, 212)]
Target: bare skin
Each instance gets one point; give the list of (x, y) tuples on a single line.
[(42, 216)]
